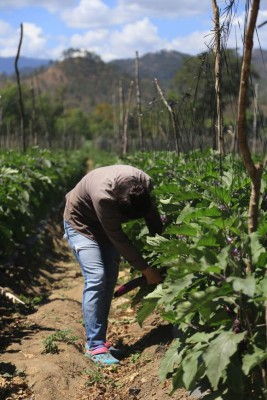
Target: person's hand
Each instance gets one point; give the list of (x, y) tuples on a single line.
[(153, 276)]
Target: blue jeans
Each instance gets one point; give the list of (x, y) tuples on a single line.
[(100, 266)]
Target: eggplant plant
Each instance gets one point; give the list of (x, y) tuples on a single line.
[(218, 309)]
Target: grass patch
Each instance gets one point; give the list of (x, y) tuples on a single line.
[(50, 345)]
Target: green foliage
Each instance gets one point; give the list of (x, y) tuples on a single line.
[(193, 88), (217, 308), (50, 345), (74, 123), (101, 120), (31, 185), (45, 117), (96, 375), (10, 104), (82, 81), (197, 74), (135, 357), (31, 301)]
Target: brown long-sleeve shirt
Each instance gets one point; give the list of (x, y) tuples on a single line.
[(92, 210)]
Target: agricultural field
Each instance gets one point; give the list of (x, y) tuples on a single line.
[(32, 184), (197, 126), (216, 304), (202, 331)]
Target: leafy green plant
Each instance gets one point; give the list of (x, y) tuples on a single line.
[(50, 345), (31, 302), (218, 309), (135, 357), (96, 375), (32, 184)]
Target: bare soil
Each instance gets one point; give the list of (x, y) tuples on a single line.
[(28, 371)]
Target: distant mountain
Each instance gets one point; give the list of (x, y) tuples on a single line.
[(80, 82), (85, 81), (26, 65), (161, 65)]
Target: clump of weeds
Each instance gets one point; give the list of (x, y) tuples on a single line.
[(135, 357), (50, 345), (97, 375)]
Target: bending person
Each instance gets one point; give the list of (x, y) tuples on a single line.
[(95, 210)]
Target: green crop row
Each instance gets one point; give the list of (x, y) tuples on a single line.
[(215, 290), (31, 185)]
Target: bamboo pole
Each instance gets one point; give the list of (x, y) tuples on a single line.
[(34, 128), (218, 77), (172, 115), (121, 119), (138, 102), (126, 120), (21, 105)]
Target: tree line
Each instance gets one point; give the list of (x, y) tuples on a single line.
[(198, 110)]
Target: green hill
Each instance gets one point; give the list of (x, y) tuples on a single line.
[(86, 81), (161, 65)]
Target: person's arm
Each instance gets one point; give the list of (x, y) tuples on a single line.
[(110, 222), (153, 220), (112, 227), (152, 275)]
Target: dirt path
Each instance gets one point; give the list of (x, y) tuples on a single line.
[(28, 372)]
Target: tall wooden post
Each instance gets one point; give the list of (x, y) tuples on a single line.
[(34, 128), (218, 77), (121, 100), (172, 116), (21, 105), (138, 102), (126, 120)]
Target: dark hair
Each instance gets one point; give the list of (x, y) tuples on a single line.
[(133, 199)]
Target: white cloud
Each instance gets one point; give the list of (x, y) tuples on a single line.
[(8, 41), (5, 29), (118, 31), (33, 41), (237, 31), (96, 14), (262, 31), (143, 31), (50, 5), (166, 8), (121, 43), (96, 41), (88, 14), (56, 53), (141, 36), (194, 43)]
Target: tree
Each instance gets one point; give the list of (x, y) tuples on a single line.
[(11, 118), (72, 52), (72, 127), (194, 84), (49, 110), (101, 120), (254, 170)]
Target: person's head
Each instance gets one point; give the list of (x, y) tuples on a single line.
[(133, 199)]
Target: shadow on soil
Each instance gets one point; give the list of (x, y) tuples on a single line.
[(159, 336)]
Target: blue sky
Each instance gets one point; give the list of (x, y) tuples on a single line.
[(115, 28)]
